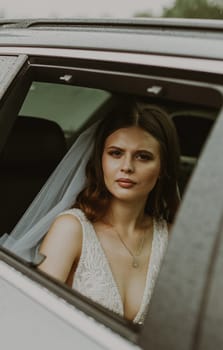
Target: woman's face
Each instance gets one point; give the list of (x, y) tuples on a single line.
[(131, 163)]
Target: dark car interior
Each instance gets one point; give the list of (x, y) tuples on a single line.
[(32, 151), (192, 132)]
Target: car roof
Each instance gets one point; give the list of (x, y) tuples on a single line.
[(187, 38)]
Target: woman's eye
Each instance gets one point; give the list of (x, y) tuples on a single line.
[(143, 156), (115, 153)]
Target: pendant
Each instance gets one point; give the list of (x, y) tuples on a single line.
[(135, 263)]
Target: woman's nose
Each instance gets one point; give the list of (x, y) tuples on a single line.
[(127, 166)]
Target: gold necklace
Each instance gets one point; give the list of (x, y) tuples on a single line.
[(135, 257)]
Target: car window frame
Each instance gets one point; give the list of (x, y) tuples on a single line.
[(14, 86)]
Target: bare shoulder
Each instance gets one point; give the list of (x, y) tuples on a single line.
[(66, 228), (62, 246), (67, 224)]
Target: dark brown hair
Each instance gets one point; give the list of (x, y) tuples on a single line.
[(163, 200)]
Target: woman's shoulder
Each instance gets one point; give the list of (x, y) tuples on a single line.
[(73, 214), (67, 219), (66, 225), (61, 245)]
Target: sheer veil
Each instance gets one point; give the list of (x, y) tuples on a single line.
[(58, 194)]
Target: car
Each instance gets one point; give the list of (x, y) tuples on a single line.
[(56, 77)]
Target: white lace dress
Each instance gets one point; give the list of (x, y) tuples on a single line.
[(93, 277)]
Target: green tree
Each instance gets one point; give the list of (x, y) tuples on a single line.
[(194, 9)]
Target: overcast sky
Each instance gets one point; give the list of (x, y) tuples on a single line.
[(75, 8)]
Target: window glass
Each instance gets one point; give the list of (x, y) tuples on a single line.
[(69, 106)]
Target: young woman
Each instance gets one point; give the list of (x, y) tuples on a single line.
[(110, 246)]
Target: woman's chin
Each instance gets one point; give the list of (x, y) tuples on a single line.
[(128, 196)]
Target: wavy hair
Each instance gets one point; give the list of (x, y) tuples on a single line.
[(163, 200)]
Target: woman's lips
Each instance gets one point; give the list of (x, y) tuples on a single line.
[(125, 183)]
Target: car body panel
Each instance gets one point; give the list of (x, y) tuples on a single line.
[(165, 38), (33, 317), (9, 68)]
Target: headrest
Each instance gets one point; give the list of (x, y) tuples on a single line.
[(33, 142)]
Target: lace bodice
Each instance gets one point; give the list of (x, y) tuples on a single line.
[(93, 277)]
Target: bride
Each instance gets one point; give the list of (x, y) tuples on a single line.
[(109, 246)]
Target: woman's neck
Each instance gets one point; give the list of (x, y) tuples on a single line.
[(126, 218)]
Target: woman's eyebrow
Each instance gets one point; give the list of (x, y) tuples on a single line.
[(136, 151)]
